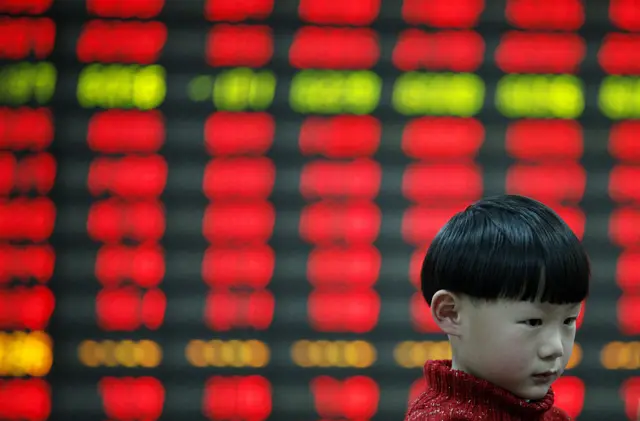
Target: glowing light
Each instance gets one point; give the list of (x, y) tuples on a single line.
[(112, 220), (238, 178), (142, 9), (620, 356), (354, 12), (353, 222), (417, 93), (335, 92), (237, 397), (26, 262), (27, 219), (623, 141), (619, 54), (241, 89), (25, 82), (342, 136), (420, 224), (540, 96), (25, 354), (129, 177), (566, 15), (443, 13), (28, 399), (570, 393), (562, 182), (326, 179), (624, 14), (460, 182), (127, 309), (334, 48), (573, 216), (358, 354), (619, 97), (33, 173), (143, 265), (130, 398), (535, 140), (628, 310), (23, 37), (421, 317), (458, 51), (250, 266), (126, 131), (627, 272), (351, 267), (411, 354), (26, 308), (630, 393), (110, 41), (229, 134), (443, 138), (236, 11), (25, 128), (25, 7), (239, 45), (355, 397), (227, 310), (242, 223), (355, 311), (523, 52), (232, 353), (623, 186), (126, 353), (121, 86)]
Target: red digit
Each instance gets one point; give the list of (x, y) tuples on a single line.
[(355, 222)]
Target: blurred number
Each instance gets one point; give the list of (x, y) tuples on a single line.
[(23, 82), (121, 86), (418, 93), (333, 92), (242, 89), (540, 96), (619, 97)]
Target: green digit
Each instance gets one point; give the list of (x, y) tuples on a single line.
[(45, 82)]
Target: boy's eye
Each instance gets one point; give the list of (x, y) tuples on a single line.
[(571, 320), (533, 322)]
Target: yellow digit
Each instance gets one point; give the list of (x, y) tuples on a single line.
[(149, 87), (407, 98), (362, 93), (45, 82), (567, 97), (89, 85), (231, 89), (299, 92), (262, 90), (19, 81), (612, 97)]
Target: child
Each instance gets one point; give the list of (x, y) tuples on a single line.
[(504, 279)]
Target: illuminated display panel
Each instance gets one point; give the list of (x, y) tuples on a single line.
[(260, 182)]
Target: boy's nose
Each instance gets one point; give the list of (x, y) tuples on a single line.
[(552, 347)]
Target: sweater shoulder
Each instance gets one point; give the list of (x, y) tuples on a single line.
[(557, 414), (426, 408)]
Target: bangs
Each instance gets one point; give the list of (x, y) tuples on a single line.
[(524, 256)]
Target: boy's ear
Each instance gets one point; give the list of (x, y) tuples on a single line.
[(445, 309)]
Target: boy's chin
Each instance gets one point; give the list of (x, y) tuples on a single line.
[(532, 393)]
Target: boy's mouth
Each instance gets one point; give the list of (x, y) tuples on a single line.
[(547, 375)]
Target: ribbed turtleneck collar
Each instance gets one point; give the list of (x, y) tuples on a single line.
[(470, 390)]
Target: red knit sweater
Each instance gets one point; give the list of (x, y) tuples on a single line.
[(453, 395)]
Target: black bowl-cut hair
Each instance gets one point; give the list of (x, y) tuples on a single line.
[(507, 247)]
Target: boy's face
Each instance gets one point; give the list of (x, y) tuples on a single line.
[(510, 343)]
